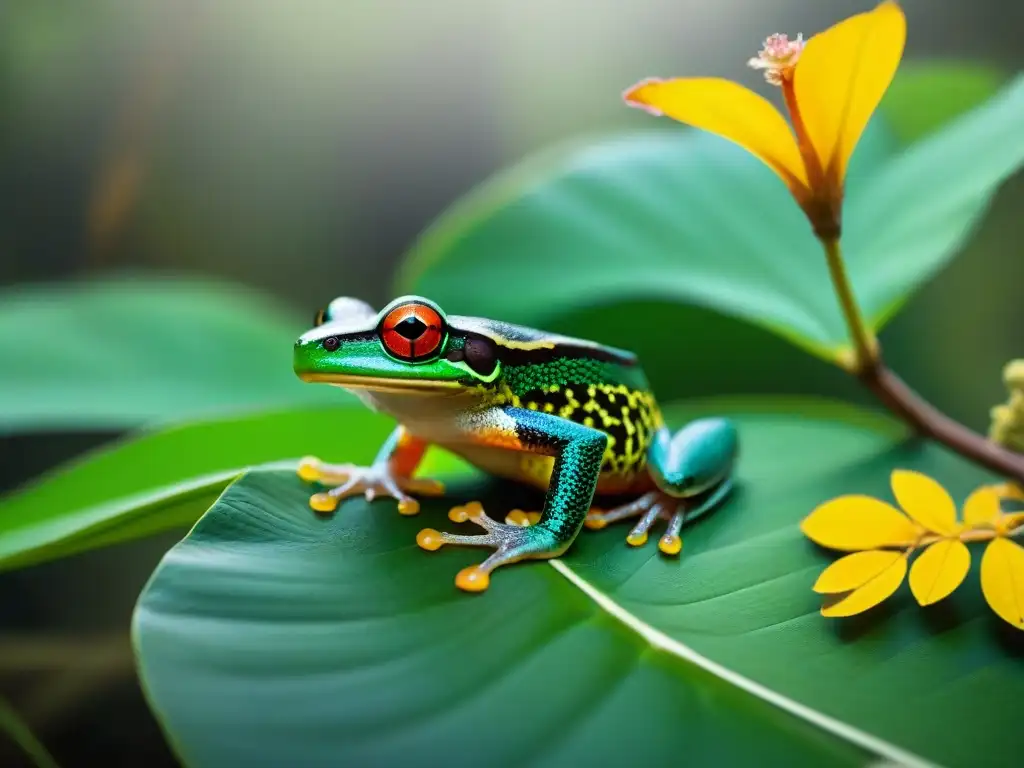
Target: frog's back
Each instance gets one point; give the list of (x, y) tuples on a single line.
[(585, 382)]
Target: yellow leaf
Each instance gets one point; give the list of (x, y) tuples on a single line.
[(982, 507), (848, 573), (870, 594), (925, 501), (841, 77), (939, 570), (731, 111), (851, 523), (1002, 580)]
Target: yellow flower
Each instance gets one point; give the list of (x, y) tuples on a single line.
[(831, 85), (882, 539)]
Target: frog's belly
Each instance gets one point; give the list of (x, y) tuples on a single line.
[(535, 470)]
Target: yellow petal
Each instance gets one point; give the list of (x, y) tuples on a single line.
[(870, 594), (841, 77), (850, 523), (939, 570), (731, 111), (1009, 522), (982, 507), (1002, 580), (1009, 491), (925, 501), (848, 573)]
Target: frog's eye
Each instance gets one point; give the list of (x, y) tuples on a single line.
[(321, 316), (412, 331)]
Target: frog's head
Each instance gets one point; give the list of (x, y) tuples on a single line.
[(409, 347)]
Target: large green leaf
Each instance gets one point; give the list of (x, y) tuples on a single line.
[(683, 216), (166, 479), (270, 636), (927, 95), (118, 353)]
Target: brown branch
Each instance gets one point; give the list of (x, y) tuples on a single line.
[(930, 422)]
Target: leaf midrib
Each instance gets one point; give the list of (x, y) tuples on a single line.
[(660, 641)]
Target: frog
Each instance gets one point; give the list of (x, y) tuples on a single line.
[(572, 418)]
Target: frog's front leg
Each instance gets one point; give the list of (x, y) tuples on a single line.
[(693, 473), (389, 475), (577, 451)]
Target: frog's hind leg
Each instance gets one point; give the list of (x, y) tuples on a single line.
[(692, 470), (577, 451)]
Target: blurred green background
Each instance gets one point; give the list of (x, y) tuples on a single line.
[(299, 148)]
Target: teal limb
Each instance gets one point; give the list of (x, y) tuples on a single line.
[(658, 505), (578, 451), (695, 459)]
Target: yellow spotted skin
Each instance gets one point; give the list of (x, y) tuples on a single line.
[(629, 416)]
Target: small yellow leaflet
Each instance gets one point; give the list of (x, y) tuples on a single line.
[(982, 507), (939, 570), (925, 501), (1002, 580), (870, 594), (848, 573), (852, 523)]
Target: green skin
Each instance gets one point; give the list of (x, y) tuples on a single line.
[(568, 415)]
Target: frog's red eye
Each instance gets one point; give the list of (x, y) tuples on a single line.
[(412, 331)]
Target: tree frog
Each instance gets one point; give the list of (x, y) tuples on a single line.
[(568, 416)]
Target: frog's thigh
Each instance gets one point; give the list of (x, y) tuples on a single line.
[(696, 458)]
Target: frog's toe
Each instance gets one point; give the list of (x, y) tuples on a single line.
[(463, 512), (350, 480), (312, 470), (596, 519), (657, 505), (521, 518), (670, 543), (650, 507), (638, 536), (511, 543)]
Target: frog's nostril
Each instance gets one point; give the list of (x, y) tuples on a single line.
[(330, 343)]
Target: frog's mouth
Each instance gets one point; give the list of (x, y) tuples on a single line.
[(386, 385)]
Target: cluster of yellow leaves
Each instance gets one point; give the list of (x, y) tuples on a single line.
[(883, 538)]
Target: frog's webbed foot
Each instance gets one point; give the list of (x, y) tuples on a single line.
[(655, 506), (350, 480), (511, 543)]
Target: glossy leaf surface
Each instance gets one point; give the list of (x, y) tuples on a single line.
[(927, 95), (119, 353), (683, 216), (271, 635), (168, 478)]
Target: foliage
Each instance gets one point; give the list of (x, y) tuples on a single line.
[(270, 635), (271, 632), (687, 217), (137, 350)]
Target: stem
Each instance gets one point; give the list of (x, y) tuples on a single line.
[(901, 399), (930, 422), (21, 734), (864, 343)]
